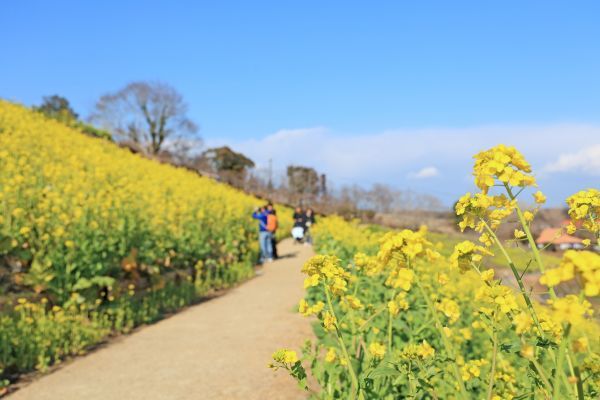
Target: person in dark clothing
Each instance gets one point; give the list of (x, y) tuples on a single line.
[(299, 225), (309, 220), (273, 229)]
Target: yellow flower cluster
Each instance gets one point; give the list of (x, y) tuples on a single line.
[(523, 323), (467, 253), (480, 207), (305, 309), (504, 163), (329, 321), (331, 355), (399, 251), (400, 248), (413, 351), (584, 208), (326, 269), (352, 302), (450, 309), (377, 350), (583, 263), (398, 303), (368, 264), (285, 356), (400, 278), (571, 308), (496, 297), (472, 369)]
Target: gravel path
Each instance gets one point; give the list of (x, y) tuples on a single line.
[(215, 350)]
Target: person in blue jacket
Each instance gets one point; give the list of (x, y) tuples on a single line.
[(265, 238)]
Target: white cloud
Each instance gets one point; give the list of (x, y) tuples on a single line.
[(390, 156), (585, 161), (424, 173)]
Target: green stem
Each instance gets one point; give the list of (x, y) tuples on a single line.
[(579, 384), (447, 345), (353, 378), (411, 384), (573, 370), (431, 389), (364, 324), (390, 321), (559, 374), (389, 331), (517, 277), (523, 292), (541, 374), (493, 370), (532, 244)]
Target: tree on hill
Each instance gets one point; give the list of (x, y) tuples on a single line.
[(303, 183), (228, 165), (150, 114), (58, 108)]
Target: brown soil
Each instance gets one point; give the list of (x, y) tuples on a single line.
[(215, 350)]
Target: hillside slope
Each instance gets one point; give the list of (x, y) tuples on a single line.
[(94, 239)]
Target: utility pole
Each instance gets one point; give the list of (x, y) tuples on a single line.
[(323, 185), (270, 182)]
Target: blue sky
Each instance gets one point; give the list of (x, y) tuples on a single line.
[(399, 92)]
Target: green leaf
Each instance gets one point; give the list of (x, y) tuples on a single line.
[(84, 283), (510, 347), (383, 371), (546, 343), (5, 244)]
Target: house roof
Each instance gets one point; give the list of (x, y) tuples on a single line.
[(556, 236)]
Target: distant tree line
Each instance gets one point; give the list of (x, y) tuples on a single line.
[(150, 118)]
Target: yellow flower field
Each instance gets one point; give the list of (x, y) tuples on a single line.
[(87, 227), (397, 319)]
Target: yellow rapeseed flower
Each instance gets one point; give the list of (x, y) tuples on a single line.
[(539, 197), (329, 321), (377, 350), (584, 207), (331, 355), (450, 309), (503, 163), (285, 356)]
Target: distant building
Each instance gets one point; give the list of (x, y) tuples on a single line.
[(557, 239)]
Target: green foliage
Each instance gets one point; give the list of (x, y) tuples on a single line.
[(224, 159), (58, 108), (91, 130)]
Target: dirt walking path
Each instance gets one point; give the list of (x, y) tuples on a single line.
[(215, 350)]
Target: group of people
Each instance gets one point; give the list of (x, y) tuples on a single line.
[(267, 229), (303, 220)]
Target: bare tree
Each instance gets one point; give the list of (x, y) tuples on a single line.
[(381, 197), (146, 113)]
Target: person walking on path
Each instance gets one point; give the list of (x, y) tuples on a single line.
[(272, 225), (264, 236), (299, 225), (309, 220)]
